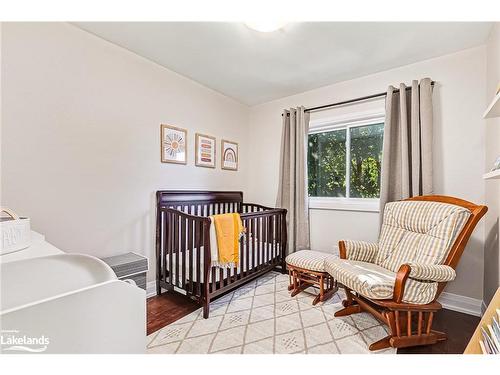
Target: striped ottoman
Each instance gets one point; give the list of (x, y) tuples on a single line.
[(306, 268)]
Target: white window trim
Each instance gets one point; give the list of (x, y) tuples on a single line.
[(344, 204), (347, 122)]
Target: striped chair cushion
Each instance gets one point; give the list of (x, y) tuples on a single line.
[(432, 272), (308, 260), (418, 232), (361, 250), (374, 281)]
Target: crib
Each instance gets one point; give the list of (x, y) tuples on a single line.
[(183, 261)]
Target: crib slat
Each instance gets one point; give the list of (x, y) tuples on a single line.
[(242, 253), (164, 251), (183, 249), (166, 241), (214, 280), (277, 242), (170, 249), (266, 248), (250, 246), (254, 244), (197, 240), (280, 237), (177, 247), (247, 246), (259, 243), (190, 253), (273, 237)]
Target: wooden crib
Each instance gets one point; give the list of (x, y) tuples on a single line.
[(183, 243)]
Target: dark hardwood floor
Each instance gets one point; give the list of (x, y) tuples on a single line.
[(169, 307)]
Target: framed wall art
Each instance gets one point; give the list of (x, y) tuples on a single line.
[(173, 144), (205, 151), (229, 155)]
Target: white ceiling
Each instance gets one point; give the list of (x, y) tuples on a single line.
[(254, 67)]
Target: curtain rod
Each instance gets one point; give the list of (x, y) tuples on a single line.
[(363, 98)]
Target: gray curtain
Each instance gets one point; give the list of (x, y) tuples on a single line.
[(292, 189), (407, 150)]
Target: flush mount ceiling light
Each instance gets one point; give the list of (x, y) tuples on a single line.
[(265, 26)]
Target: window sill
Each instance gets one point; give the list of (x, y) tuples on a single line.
[(344, 204)]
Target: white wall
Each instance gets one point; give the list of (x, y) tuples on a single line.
[(80, 137), (459, 98), (492, 129)]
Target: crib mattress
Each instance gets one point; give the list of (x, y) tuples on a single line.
[(177, 262)]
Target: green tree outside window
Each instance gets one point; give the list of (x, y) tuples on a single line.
[(327, 167)]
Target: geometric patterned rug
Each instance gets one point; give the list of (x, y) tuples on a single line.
[(261, 318)]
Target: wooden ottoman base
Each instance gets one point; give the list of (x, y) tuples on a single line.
[(301, 279)]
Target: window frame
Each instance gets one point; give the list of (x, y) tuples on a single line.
[(346, 121)]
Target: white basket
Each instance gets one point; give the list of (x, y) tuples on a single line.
[(16, 232)]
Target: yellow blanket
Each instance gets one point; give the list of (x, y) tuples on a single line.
[(228, 228)]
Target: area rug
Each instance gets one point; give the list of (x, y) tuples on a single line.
[(262, 318)]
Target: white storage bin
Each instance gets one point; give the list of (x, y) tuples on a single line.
[(16, 232)]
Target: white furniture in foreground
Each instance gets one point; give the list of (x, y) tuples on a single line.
[(67, 303), (39, 248)]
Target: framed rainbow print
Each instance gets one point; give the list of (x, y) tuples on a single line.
[(205, 151), (229, 155), (173, 144)]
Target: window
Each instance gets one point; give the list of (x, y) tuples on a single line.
[(344, 163)]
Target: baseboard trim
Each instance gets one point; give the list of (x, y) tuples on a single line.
[(450, 301), (151, 289), (463, 304)]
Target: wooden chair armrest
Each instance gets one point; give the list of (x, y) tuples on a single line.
[(399, 285), (342, 250)]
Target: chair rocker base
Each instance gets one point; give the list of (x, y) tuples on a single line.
[(409, 325), (406, 341)]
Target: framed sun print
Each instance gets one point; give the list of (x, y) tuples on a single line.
[(173, 144), (229, 152), (205, 151)]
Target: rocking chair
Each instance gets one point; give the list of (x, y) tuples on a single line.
[(399, 279)]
